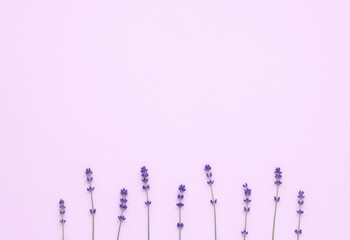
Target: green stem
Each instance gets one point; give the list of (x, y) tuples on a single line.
[(245, 224), (180, 223), (212, 195), (299, 224), (93, 215), (148, 214), (62, 229), (120, 224), (274, 217)]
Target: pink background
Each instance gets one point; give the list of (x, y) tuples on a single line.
[(113, 85)]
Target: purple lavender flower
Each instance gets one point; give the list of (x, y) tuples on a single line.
[(244, 233), (180, 205), (213, 201), (180, 197), (180, 225), (246, 200), (278, 177), (146, 187), (123, 207), (300, 212), (62, 212), (90, 189)]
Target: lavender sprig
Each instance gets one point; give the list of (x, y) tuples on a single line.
[(247, 193), (62, 212), (300, 212), (123, 207), (146, 187), (207, 169), (278, 177), (89, 179), (180, 197)]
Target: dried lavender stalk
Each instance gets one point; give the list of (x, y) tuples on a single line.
[(300, 212), (180, 197), (89, 179), (278, 176), (247, 193), (123, 207), (146, 187), (207, 169), (62, 212)]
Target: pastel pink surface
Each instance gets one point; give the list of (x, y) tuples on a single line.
[(245, 86)]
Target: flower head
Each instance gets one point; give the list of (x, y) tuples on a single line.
[(182, 188), (62, 210), (123, 201), (247, 193), (144, 176), (180, 196), (301, 198), (209, 174), (88, 173), (62, 207), (207, 168), (278, 176), (123, 192)]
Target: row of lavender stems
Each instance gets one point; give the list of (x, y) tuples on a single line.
[(180, 204)]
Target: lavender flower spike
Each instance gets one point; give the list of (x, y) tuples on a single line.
[(180, 197), (123, 207), (62, 212), (247, 193), (89, 179), (146, 187), (300, 212), (209, 174), (278, 177)]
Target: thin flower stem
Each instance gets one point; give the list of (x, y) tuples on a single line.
[(180, 223), (245, 224), (299, 224), (148, 214), (274, 217), (212, 195), (120, 224), (62, 230), (93, 215)]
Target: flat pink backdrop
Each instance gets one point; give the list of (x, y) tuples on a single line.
[(114, 85)]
